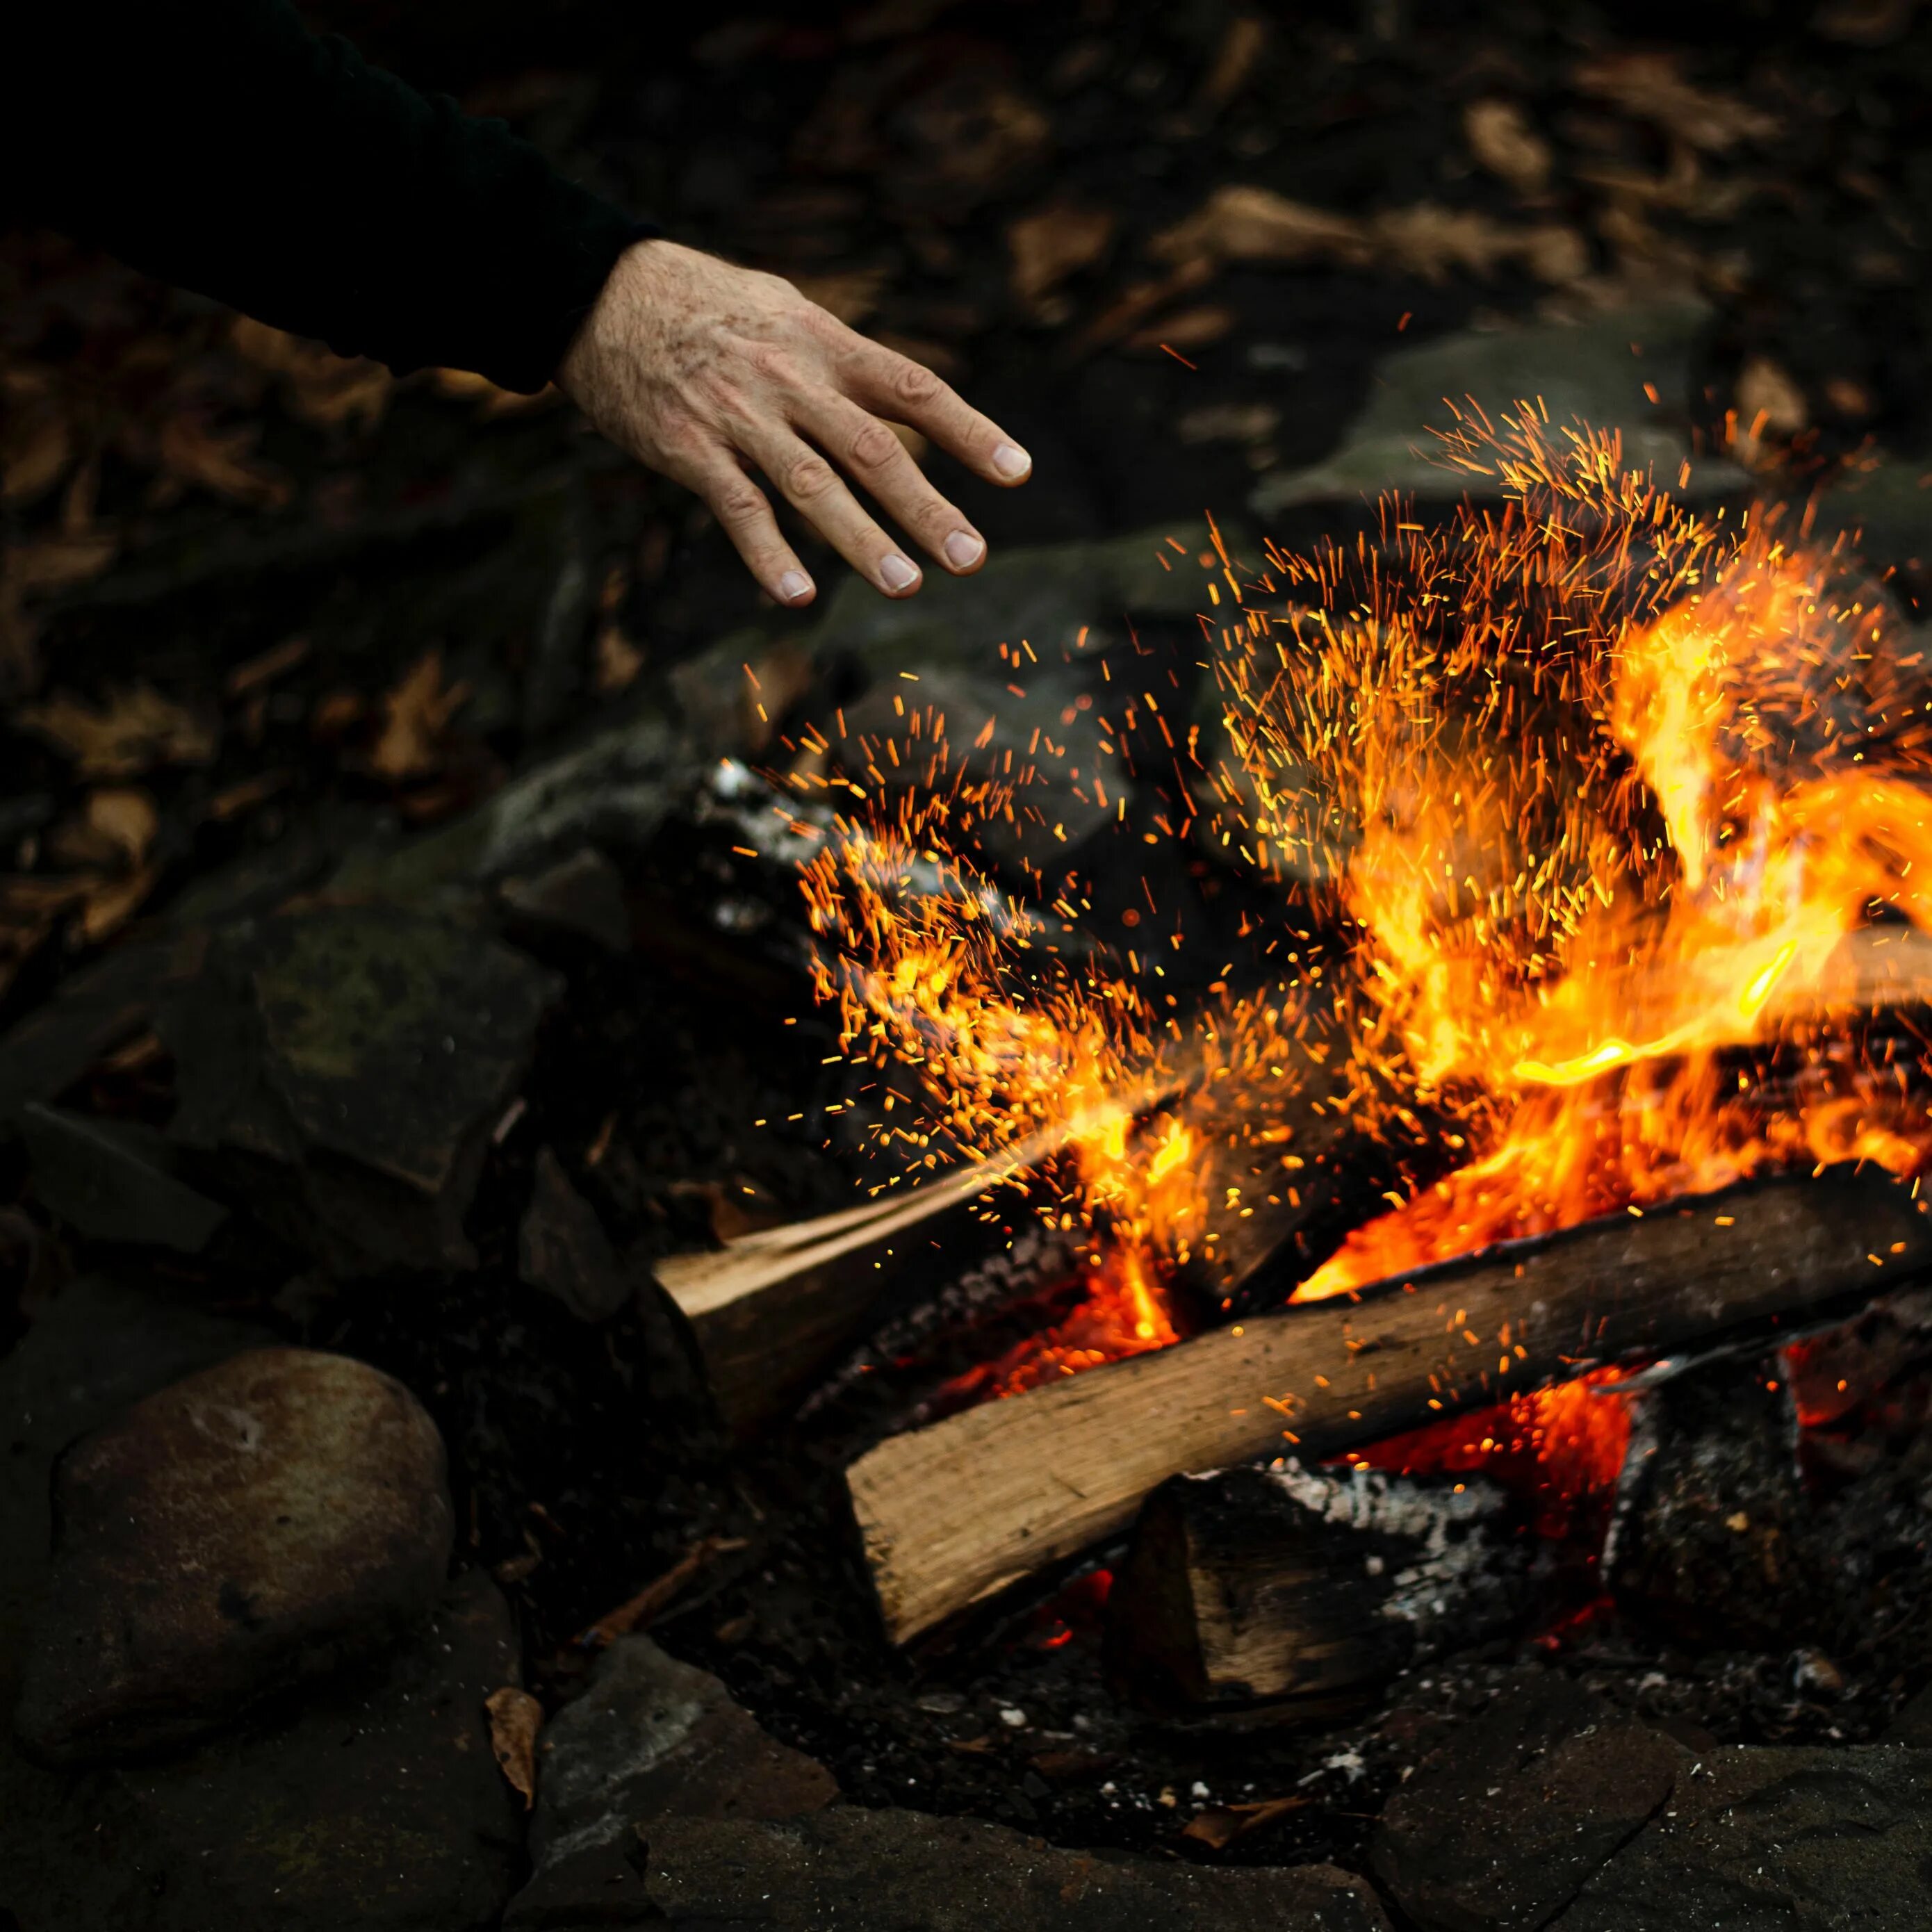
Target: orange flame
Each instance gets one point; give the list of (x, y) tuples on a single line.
[(1622, 811)]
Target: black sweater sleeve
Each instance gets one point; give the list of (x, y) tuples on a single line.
[(220, 145)]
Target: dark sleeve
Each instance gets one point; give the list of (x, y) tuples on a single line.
[(220, 146)]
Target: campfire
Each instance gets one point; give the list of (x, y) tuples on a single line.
[(1569, 1039)]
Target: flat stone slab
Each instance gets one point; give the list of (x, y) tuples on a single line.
[(1595, 371), (368, 1048), (1756, 1838), (911, 1873), (255, 1524), (1503, 1825), (650, 1738)]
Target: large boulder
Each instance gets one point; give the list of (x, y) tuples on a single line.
[(254, 1525)]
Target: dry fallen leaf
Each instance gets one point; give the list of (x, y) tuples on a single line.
[(465, 385), (515, 1718), (1435, 242), (1865, 23), (1191, 329), (30, 907), (190, 450), (1767, 399), (135, 730), (1501, 138), (57, 559), (617, 660), (1234, 63), (1218, 1826), (125, 815), (1254, 224), (271, 664), (111, 903), (1054, 242), (1651, 87), (37, 441), (415, 714), (319, 386), (1229, 422)]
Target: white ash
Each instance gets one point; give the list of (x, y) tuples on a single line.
[(1446, 1547)]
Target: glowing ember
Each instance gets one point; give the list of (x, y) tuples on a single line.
[(1588, 795)]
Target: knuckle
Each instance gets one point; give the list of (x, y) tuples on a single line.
[(912, 383), (807, 477), (738, 504), (873, 446)]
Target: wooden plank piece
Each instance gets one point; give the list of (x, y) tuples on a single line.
[(955, 1512)]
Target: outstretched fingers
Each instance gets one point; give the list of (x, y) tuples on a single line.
[(896, 387), (744, 514), (869, 453)]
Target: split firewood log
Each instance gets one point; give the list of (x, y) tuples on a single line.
[(955, 1512), (767, 1311), (1304, 1591)]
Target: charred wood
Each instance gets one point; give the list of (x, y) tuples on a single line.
[(1305, 1590), (952, 1513)]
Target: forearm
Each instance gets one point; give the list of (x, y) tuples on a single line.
[(219, 145)]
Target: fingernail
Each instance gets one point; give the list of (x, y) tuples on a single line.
[(963, 550), (793, 587), (1011, 461), (896, 573)]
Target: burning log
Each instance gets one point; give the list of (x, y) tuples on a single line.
[(953, 1512), (1293, 1587), (767, 1310)]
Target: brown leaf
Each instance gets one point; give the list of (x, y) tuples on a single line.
[(1255, 224), (36, 445), (1651, 86), (1229, 422), (1501, 138), (851, 296), (115, 830), (1054, 242), (135, 730), (190, 450), (1767, 399), (974, 131), (271, 664), (465, 385), (415, 714), (319, 386), (110, 904), (240, 799), (1221, 1825), (515, 1718), (1191, 329), (1234, 63), (1865, 23), (1135, 304), (56, 560), (30, 908)]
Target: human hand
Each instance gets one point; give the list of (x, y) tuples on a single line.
[(707, 371)]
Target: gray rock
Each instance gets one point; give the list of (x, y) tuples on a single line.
[(650, 1738), (99, 1345), (254, 1525), (350, 1062), (582, 896), (562, 1248), (116, 1180), (1756, 1840), (1514, 1815), (377, 1806), (615, 790), (1045, 596), (1885, 511), (904, 1870), (1585, 371)]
